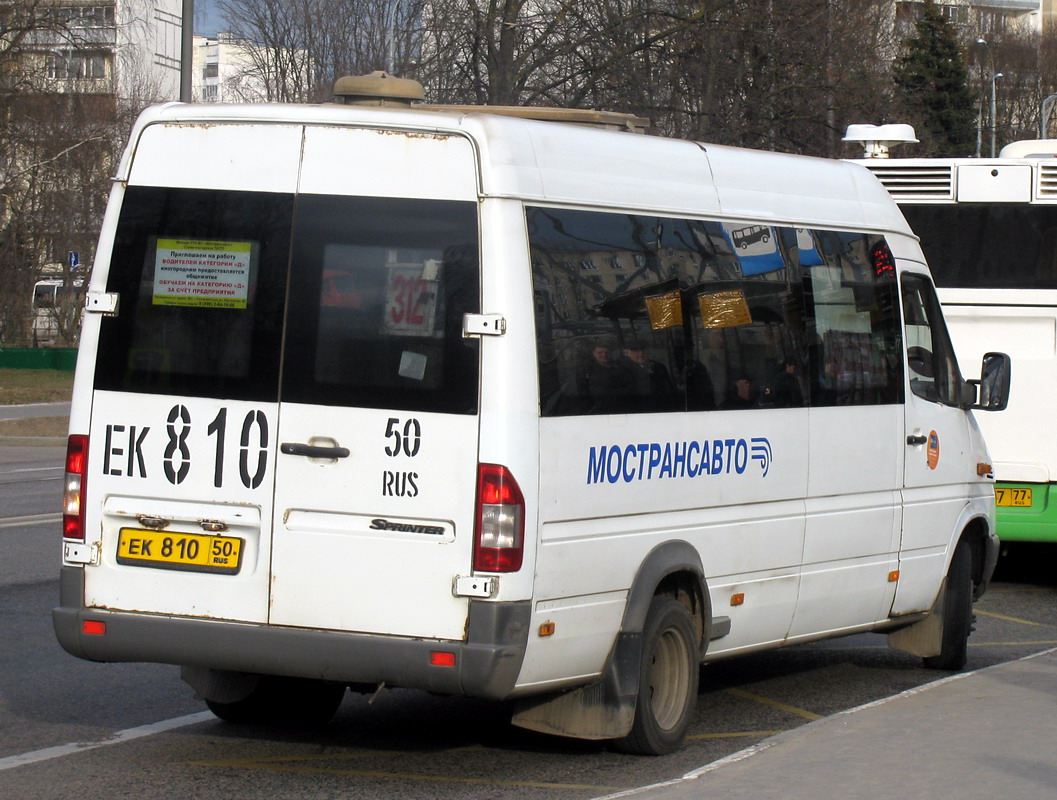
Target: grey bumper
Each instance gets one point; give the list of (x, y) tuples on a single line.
[(486, 664)]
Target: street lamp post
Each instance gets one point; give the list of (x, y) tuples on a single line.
[(187, 49), (980, 43)]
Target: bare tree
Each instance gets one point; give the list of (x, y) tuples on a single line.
[(61, 131), (297, 48)]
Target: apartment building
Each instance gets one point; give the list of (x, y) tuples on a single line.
[(225, 71), (125, 49), (982, 17)]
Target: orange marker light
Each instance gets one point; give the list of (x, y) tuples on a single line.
[(547, 629), (737, 599), (893, 576), (441, 659)]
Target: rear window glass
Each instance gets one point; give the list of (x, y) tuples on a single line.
[(372, 292), (378, 291)]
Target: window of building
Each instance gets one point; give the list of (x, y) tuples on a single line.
[(73, 65), (85, 16)]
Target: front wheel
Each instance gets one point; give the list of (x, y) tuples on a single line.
[(284, 701), (957, 613), (668, 677)]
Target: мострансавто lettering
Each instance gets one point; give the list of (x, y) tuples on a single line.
[(648, 461)]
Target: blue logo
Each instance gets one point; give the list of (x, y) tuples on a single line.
[(648, 461)]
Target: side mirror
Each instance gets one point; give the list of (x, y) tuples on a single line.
[(995, 372)]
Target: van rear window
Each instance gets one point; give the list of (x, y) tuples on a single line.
[(360, 298)]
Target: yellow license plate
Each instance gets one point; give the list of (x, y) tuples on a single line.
[(193, 552), (1013, 498)]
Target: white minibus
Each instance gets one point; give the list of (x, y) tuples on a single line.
[(456, 400)]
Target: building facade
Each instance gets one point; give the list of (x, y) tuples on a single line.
[(126, 49), (982, 17)]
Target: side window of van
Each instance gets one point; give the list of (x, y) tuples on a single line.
[(640, 314), (853, 316), (745, 317), (933, 368), (608, 312)]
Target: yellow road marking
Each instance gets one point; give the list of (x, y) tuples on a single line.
[(736, 735), (1014, 619), (800, 712), (289, 764)]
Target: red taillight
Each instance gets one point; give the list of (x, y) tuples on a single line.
[(500, 535), (73, 487), (442, 659)]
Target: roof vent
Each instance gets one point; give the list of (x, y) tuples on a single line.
[(377, 89), (878, 139)]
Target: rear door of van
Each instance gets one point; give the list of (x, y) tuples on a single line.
[(284, 421)]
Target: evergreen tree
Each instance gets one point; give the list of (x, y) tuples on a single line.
[(931, 81)]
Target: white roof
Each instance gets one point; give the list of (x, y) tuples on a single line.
[(551, 162)]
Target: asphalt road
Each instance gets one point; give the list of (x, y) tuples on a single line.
[(35, 410), (69, 728)]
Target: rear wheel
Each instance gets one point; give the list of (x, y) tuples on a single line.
[(957, 613), (284, 701), (668, 677)]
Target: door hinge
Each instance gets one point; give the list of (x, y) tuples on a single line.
[(483, 325), (474, 586), (102, 303)]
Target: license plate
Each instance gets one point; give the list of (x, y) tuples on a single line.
[(192, 552), (1013, 498)]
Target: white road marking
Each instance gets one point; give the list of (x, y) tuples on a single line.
[(33, 519), (121, 736)]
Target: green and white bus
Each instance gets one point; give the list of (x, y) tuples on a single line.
[(988, 228)]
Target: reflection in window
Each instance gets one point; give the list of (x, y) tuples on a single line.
[(933, 369), (856, 351), (378, 290), (201, 279), (698, 315)]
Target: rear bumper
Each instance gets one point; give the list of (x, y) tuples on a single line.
[(486, 664)]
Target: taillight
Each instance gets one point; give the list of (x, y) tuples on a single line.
[(73, 487), (500, 535)]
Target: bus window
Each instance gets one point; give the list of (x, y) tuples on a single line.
[(639, 314), (609, 311), (855, 354)]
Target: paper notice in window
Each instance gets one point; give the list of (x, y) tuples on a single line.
[(200, 273), (665, 310), (724, 309)]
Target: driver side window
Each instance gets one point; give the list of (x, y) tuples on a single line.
[(932, 366)]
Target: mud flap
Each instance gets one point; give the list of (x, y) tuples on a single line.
[(924, 638), (601, 710)]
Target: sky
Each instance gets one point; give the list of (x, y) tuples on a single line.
[(207, 18)]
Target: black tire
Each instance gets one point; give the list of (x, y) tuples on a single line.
[(957, 613), (284, 701), (668, 677)]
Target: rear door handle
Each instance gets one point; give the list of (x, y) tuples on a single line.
[(916, 440), (313, 450)]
